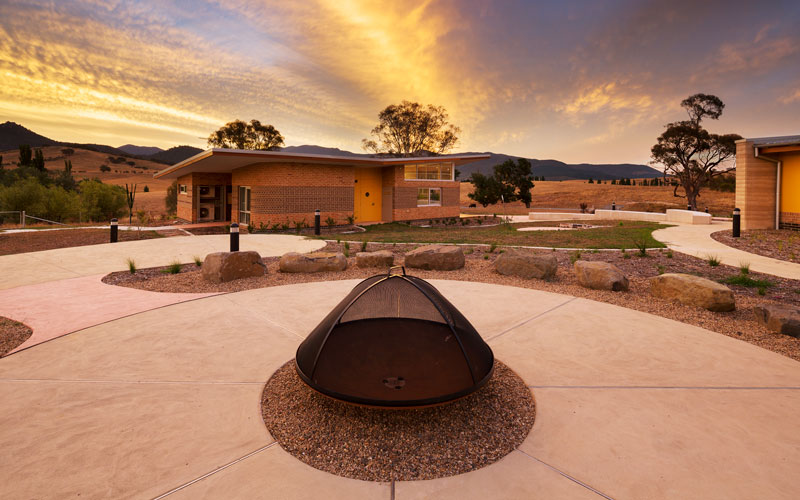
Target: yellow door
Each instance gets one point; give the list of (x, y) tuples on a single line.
[(367, 199)]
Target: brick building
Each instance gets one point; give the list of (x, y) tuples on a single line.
[(768, 182), (271, 187)]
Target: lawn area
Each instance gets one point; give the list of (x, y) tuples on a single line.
[(628, 234)]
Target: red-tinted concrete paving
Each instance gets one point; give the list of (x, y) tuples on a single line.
[(60, 307)]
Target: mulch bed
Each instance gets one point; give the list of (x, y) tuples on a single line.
[(375, 444), (35, 241), (740, 324), (12, 335), (775, 243)]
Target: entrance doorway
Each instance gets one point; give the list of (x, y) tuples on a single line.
[(367, 201)]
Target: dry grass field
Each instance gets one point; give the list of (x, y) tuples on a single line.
[(86, 164), (570, 194)]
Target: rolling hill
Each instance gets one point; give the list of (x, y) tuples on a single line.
[(13, 134)]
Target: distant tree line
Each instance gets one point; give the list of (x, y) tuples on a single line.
[(55, 194)]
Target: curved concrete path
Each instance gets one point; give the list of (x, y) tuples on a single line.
[(629, 406), (696, 240), (52, 265)]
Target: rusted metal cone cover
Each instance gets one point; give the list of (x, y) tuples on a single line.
[(395, 341)]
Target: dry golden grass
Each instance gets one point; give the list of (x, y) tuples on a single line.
[(570, 194), (86, 164)]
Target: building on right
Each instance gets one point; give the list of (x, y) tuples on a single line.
[(768, 182)]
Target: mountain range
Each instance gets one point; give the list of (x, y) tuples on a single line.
[(12, 135)]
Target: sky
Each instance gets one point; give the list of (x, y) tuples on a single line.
[(577, 81)]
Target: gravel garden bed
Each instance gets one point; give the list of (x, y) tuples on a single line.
[(739, 324), (775, 243), (12, 335), (375, 444)]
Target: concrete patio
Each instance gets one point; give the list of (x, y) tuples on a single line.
[(167, 403)]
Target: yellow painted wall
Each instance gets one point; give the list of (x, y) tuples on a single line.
[(367, 199), (790, 182)]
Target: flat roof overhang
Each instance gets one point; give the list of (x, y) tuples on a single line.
[(227, 160)]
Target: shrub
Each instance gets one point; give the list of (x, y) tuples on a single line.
[(171, 200), (146, 189), (486, 257), (660, 269), (669, 253), (747, 281), (351, 219), (712, 260), (575, 256), (492, 247), (744, 268), (131, 266), (330, 221), (105, 168), (174, 268), (347, 249), (363, 246), (198, 261), (584, 206), (641, 245)]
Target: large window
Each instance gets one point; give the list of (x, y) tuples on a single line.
[(244, 205), (429, 171), (427, 197)]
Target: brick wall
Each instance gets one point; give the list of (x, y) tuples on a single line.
[(186, 209), (288, 193), (404, 198), (790, 220)]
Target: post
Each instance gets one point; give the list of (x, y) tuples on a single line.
[(316, 222), (613, 205), (22, 219), (706, 209), (737, 222), (234, 237), (114, 231), (688, 206)]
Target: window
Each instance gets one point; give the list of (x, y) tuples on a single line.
[(427, 197), (429, 171), (182, 189), (244, 205)]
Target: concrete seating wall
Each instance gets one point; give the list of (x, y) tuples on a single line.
[(672, 215)]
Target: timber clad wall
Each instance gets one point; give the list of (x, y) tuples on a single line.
[(755, 188)]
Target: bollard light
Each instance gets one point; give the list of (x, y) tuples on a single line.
[(613, 205), (114, 231), (737, 222), (234, 237), (688, 206), (316, 222)]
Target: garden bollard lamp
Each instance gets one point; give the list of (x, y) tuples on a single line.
[(737, 222), (316, 222), (234, 237), (114, 231)]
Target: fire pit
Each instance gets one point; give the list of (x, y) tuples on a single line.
[(394, 341)]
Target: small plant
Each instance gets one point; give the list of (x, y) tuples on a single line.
[(330, 221), (747, 281), (174, 268), (584, 206), (251, 228), (780, 245), (744, 268), (363, 246), (480, 220), (146, 189), (285, 226), (347, 249), (575, 256), (492, 247), (641, 245), (276, 226), (762, 291), (468, 251), (712, 260), (197, 261), (131, 265), (299, 225), (486, 257), (669, 253), (351, 219), (621, 224), (660, 269)]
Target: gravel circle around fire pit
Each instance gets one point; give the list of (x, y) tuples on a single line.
[(374, 444)]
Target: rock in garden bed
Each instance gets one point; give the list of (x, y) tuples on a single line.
[(779, 318), (599, 275), (527, 265), (220, 267), (380, 258), (315, 262), (436, 258), (693, 291)]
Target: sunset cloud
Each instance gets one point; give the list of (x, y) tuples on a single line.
[(567, 80)]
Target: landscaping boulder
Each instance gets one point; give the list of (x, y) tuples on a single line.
[(436, 257), (526, 265), (315, 262), (381, 258), (779, 318), (220, 267), (600, 276), (693, 291)]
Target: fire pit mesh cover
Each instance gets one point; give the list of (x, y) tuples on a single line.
[(395, 341)]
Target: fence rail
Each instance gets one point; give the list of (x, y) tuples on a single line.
[(23, 217)]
